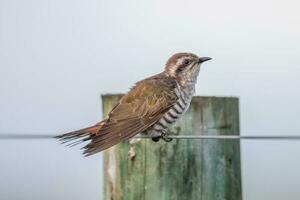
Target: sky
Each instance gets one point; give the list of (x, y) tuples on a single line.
[(57, 57)]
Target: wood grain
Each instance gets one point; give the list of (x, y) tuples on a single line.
[(182, 169)]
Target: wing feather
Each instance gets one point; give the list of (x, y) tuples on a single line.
[(136, 111)]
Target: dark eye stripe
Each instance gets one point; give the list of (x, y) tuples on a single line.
[(179, 69), (184, 64)]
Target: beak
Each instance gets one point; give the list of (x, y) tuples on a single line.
[(203, 59)]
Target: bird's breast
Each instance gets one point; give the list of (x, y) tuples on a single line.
[(180, 107)]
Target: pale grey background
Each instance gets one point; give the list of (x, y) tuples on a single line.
[(58, 56)]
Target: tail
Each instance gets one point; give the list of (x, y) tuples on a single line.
[(76, 137), (103, 135)]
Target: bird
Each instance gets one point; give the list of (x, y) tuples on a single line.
[(150, 107)]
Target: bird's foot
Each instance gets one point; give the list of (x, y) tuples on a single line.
[(165, 136), (156, 139)]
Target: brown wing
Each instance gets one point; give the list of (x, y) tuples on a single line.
[(139, 109)]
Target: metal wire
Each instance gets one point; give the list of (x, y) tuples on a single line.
[(230, 137), (193, 137), (13, 136)]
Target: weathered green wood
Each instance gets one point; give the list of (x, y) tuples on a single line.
[(182, 169)]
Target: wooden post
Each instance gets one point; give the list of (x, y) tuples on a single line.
[(182, 169)]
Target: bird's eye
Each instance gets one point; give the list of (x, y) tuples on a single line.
[(186, 62)]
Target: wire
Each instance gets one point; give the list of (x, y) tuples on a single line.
[(230, 137), (25, 136), (193, 137)]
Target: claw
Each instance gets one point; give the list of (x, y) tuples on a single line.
[(165, 136)]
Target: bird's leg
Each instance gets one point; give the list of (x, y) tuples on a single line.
[(165, 136)]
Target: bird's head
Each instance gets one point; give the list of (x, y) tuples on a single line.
[(184, 65)]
